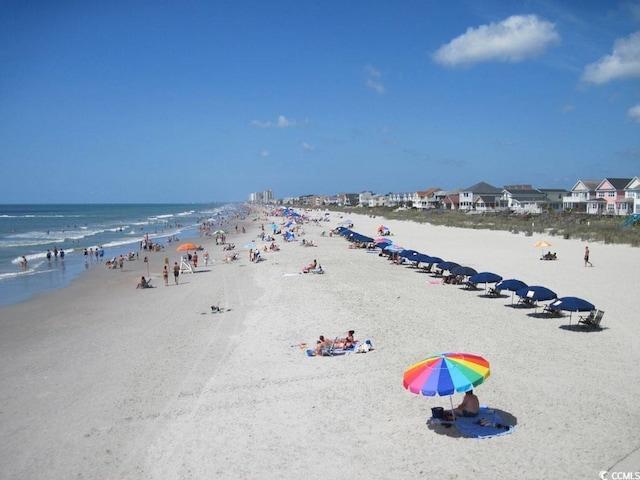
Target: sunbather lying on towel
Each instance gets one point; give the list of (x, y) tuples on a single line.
[(469, 407)]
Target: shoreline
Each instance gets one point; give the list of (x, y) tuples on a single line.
[(101, 379)]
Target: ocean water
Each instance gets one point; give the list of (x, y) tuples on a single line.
[(31, 230)]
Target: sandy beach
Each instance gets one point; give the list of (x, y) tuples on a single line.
[(102, 380)]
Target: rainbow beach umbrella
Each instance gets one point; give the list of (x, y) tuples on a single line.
[(446, 374)]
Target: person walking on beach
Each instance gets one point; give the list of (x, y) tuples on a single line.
[(176, 271), (586, 257), (165, 276)]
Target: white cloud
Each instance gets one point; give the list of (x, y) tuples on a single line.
[(307, 146), (264, 153), (515, 39), (371, 71), (567, 108), (373, 79), (282, 122), (623, 62), (377, 86), (634, 113)]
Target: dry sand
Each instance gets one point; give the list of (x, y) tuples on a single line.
[(100, 380)]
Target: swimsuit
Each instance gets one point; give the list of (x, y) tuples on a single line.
[(466, 413)]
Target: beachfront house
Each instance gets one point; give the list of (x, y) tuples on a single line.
[(583, 192), (522, 199), (451, 200), (612, 191), (348, 199), (481, 197), (377, 201), (554, 198), (632, 192), (399, 199), (364, 197), (428, 198)]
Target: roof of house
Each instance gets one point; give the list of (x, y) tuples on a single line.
[(482, 187), (591, 185), (548, 190), (617, 183), (522, 191), (426, 193)]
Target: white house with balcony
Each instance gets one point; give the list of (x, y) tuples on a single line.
[(583, 192), (400, 198), (378, 201), (523, 199), (632, 193), (364, 197), (481, 197), (428, 198)]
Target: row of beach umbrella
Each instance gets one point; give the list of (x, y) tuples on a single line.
[(535, 293)]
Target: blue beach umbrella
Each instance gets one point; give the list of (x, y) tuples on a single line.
[(572, 304), (512, 285), (464, 271), (422, 258), (485, 277), (447, 266), (536, 293), (433, 259)]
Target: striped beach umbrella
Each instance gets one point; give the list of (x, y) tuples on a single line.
[(446, 374)]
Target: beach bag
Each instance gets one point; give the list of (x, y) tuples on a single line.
[(437, 412)]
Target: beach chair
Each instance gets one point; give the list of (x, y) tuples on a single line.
[(592, 320), (549, 311), (494, 292)]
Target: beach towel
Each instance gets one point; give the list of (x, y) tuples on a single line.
[(358, 347), (486, 425)]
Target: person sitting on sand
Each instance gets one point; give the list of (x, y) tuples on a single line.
[(469, 407), (143, 283), (321, 344), (346, 342)]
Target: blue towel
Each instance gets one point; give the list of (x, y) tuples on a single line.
[(487, 424)]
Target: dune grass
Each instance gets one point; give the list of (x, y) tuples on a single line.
[(591, 228)]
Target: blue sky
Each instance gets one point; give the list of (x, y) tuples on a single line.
[(208, 101)]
